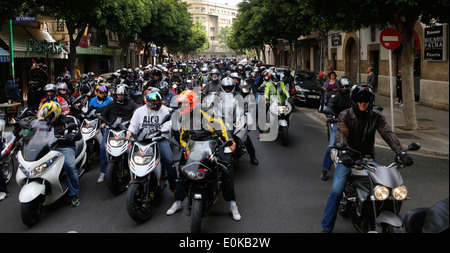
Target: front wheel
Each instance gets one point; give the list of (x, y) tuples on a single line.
[(196, 215), (284, 135), (117, 179), (139, 205), (8, 169), (31, 211)]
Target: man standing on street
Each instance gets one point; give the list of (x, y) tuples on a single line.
[(371, 78)]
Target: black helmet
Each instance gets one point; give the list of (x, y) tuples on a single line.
[(362, 93)]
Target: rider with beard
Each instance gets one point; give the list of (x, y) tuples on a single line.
[(336, 105), (121, 107), (357, 126), (190, 106), (213, 85), (228, 86)]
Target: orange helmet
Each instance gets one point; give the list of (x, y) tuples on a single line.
[(187, 96)]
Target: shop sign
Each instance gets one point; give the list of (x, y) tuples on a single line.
[(43, 47), (24, 19), (435, 43), (336, 39)]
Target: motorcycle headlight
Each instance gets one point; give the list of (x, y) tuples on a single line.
[(400, 192), (381, 192), (141, 160), (116, 143), (195, 174), (89, 127), (38, 170)]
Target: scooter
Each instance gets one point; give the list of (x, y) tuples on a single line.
[(280, 111), (92, 134), (200, 177), (117, 174), (374, 194), (147, 174), (40, 171)]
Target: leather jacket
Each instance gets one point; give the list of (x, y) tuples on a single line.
[(359, 132)]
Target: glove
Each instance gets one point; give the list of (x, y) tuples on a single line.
[(346, 159), (403, 158)]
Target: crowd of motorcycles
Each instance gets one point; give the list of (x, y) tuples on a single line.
[(134, 166)]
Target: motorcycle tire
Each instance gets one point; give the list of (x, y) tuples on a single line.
[(196, 215), (31, 212), (284, 136), (137, 209), (115, 179), (8, 171)]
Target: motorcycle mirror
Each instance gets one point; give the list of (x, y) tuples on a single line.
[(414, 146), (340, 145), (167, 118), (380, 108)]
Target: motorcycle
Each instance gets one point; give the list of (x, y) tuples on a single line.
[(117, 174), (148, 176), (281, 111), (92, 134), (40, 171), (200, 177), (12, 141), (374, 194)]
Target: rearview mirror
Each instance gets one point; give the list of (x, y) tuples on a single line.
[(414, 146)]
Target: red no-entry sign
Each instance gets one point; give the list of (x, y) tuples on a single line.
[(390, 38)]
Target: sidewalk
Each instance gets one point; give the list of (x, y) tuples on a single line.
[(433, 132)]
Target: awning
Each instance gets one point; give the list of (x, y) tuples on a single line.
[(4, 55), (21, 36)]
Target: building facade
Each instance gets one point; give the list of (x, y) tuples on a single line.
[(214, 16)]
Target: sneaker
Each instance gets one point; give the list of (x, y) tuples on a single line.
[(101, 178), (75, 201), (324, 176), (401, 105), (174, 208), (235, 212), (3, 195)]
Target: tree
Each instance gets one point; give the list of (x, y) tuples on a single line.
[(401, 14)]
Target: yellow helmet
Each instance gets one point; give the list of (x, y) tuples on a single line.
[(50, 111)]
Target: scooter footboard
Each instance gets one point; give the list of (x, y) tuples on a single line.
[(31, 191)]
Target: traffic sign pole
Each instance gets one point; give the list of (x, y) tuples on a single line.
[(390, 39)]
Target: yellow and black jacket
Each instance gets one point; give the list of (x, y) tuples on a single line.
[(202, 126)]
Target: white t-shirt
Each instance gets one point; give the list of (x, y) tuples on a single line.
[(145, 117)]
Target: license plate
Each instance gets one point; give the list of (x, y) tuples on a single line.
[(313, 96)]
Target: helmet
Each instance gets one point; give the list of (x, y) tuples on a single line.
[(187, 96), (287, 71), (276, 78), (344, 85), (175, 72), (61, 86), (84, 78), (122, 89), (215, 78), (91, 75), (50, 87), (101, 91), (228, 84), (164, 86), (50, 111), (362, 93), (153, 100)]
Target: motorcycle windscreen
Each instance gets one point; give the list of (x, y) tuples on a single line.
[(41, 142), (200, 151)]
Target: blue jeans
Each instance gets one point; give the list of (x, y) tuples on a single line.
[(103, 153), (339, 181), (167, 162), (326, 165), (70, 169)]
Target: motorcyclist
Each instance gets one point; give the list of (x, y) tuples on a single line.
[(213, 85), (189, 102), (154, 82), (356, 128), (121, 107), (101, 98), (51, 94), (151, 116), (51, 112), (166, 93), (288, 79), (64, 93), (336, 105)]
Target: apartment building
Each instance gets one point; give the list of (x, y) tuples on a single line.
[(214, 16)]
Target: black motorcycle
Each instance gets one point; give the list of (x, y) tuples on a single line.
[(374, 194), (200, 175)]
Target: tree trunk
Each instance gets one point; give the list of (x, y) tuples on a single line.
[(73, 44), (324, 37), (406, 29)]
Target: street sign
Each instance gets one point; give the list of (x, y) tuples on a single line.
[(390, 38)]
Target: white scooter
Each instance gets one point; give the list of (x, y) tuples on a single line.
[(40, 172), (147, 174), (92, 134)]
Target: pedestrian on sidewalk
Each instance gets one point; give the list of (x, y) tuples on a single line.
[(371, 78), (399, 89)]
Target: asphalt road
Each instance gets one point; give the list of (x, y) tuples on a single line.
[(283, 194)]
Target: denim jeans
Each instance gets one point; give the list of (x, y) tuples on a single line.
[(70, 169), (339, 181), (103, 153), (326, 165), (167, 162)]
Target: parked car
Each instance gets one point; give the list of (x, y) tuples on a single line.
[(308, 88)]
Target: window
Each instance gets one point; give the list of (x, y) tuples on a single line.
[(212, 29), (60, 25), (213, 38), (203, 9), (203, 19), (197, 9)]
